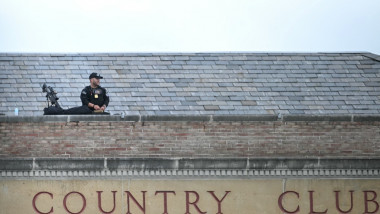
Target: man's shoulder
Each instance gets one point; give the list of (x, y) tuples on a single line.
[(102, 88), (86, 89)]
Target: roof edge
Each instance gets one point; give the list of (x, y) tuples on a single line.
[(63, 54), (372, 56), (189, 118)]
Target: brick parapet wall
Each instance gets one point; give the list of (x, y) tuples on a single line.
[(263, 137)]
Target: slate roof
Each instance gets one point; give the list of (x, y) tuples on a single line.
[(198, 83)]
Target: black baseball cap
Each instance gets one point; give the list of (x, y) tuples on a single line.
[(95, 75)]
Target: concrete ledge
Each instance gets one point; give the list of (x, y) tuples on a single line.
[(314, 163), (245, 118), (205, 163), (16, 164), (68, 164), (141, 163), (33, 119), (101, 118), (366, 118), (112, 164), (67, 118), (317, 118), (174, 118), (187, 118)]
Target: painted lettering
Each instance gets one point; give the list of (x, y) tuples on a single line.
[(288, 202), (372, 200), (83, 204), (194, 203), (35, 199), (312, 204), (165, 199), (280, 203), (100, 202), (142, 208), (337, 204), (219, 201)]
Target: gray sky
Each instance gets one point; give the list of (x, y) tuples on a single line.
[(189, 26)]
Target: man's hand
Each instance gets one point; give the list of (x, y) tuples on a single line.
[(103, 108), (96, 107)]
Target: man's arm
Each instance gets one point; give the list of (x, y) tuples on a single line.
[(106, 99), (85, 99)]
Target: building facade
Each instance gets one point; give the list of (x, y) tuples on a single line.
[(193, 133)]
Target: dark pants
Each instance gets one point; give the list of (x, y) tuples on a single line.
[(53, 110)]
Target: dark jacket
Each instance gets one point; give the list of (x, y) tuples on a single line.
[(97, 96)]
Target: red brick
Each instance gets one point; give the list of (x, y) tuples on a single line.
[(190, 139)]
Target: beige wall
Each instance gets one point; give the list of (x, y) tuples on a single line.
[(245, 196)]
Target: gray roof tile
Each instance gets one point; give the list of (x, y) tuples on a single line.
[(198, 83)]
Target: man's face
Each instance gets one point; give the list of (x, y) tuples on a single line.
[(95, 82)]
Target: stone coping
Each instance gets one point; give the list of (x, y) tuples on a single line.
[(186, 168), (112, 164), (188, 118)]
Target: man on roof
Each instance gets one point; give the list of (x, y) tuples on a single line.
[(94, 96)]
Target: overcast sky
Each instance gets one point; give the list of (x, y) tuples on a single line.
[(189, 26)]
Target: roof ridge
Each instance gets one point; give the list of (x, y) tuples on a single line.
[(372, 56), (180, 53)]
